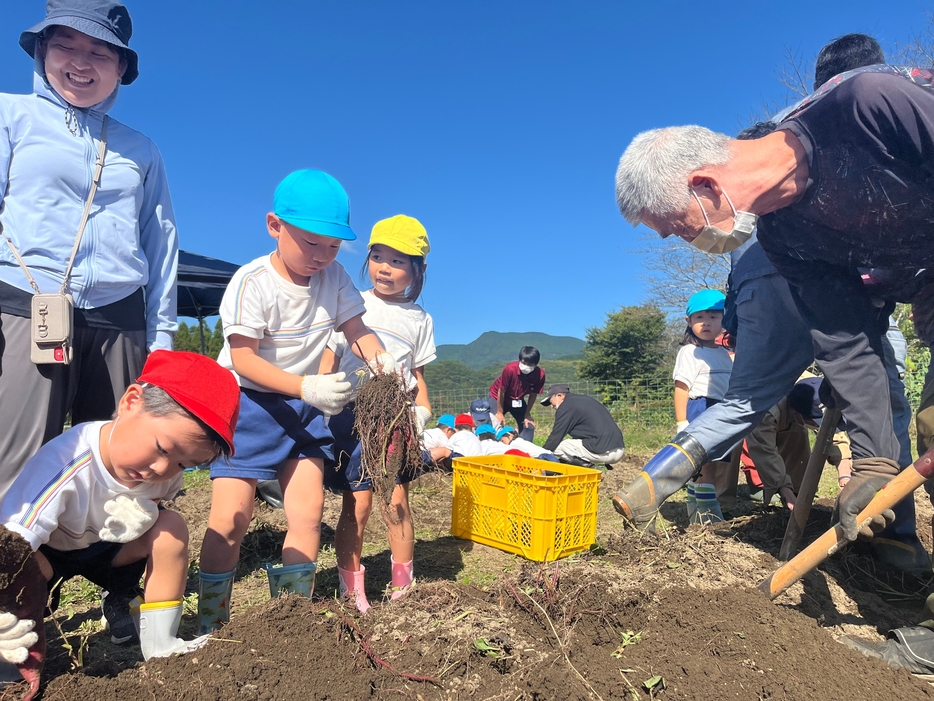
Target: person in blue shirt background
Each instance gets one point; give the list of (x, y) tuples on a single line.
[(124, 277)]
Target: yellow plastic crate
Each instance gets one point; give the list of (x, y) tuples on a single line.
[(507, 502)]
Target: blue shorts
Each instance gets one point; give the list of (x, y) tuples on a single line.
[(347, 474), (272, 429), (697, 406)]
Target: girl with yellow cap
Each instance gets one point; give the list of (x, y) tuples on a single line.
[(396, 268)]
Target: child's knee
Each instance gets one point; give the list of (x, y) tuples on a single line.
[(170, 532), (231, 525), (358, 504)]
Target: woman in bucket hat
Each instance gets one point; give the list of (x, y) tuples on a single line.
[(122, 279)]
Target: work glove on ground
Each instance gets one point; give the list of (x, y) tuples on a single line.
[(329, 393), (129, 518), (383, 364), (869, 476), (16, 637), (422, 417)]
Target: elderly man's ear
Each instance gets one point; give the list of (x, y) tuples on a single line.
[(705, 183)]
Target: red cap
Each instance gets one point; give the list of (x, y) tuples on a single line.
[(516, 451), (200, 385), (464, 420)]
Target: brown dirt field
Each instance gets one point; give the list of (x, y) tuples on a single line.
[(480, 623)]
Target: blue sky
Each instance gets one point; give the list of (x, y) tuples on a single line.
[(497, 124)]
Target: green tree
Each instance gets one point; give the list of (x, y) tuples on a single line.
[(187, 338), (631, 344), (450, 374)]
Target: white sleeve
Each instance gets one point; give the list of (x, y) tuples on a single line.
[(35, 502), (349, 301), (685, 366), (243, 311), (425, 350)]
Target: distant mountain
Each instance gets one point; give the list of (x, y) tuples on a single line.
[(495, 348)]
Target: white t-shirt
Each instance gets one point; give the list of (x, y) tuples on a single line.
[(59, 496), (434, 438), (493, 447), (705, 371), (406, 331), (529, 447), (292, 322), (465, 443)]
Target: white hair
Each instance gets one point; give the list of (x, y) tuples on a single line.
[(653, 172)]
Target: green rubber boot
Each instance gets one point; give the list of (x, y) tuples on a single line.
[(295, 579), (214, 600)]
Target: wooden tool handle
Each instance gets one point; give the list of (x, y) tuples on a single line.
[(906, 482)]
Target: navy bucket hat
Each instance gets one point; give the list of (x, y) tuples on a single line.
[(107, 21)]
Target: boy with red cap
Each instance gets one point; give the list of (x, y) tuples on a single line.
[(88, 501)]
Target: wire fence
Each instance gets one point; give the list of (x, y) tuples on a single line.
[(643, 402), (639, 403)]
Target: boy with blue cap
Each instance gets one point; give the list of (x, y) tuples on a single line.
[(278, 314)]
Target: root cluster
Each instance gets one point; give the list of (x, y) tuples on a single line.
[(389, 440)]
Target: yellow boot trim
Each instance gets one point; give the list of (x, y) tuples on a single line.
[(159, 605)]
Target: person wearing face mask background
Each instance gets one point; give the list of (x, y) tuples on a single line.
[(517, 388), (773, 345)]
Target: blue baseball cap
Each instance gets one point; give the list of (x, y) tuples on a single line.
[(485, 428), (505, 430), (446, 420), (706, 301), (480, 410), (314, 201)]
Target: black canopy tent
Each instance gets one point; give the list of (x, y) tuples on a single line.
[(201, 285)]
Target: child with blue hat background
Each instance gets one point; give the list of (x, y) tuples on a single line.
[(702, 377)]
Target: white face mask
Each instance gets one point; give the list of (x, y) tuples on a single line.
[(713, 239), (526, 369)]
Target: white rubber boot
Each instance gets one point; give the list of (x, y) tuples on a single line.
[(402, 576), (158, 625), (351, 586)]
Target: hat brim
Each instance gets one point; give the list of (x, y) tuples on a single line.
[(28, 40), (400, 246), (546, 401), (322, 228)]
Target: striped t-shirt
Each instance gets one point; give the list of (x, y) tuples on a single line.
[(59, 496)]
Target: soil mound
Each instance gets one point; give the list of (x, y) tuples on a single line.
[(557, 632)]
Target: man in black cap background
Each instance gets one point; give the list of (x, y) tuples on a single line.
[(594, 435)]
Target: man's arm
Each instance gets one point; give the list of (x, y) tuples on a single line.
[(561, 429), (533, 397)]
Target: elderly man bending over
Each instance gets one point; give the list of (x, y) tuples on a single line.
[(845, 182)]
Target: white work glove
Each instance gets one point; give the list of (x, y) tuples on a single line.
[(129, 518), (681, 425), (422, 417), (16, 637), (329, 393), (383, 364)]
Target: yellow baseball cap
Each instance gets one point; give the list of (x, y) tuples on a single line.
[(405, 234)]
